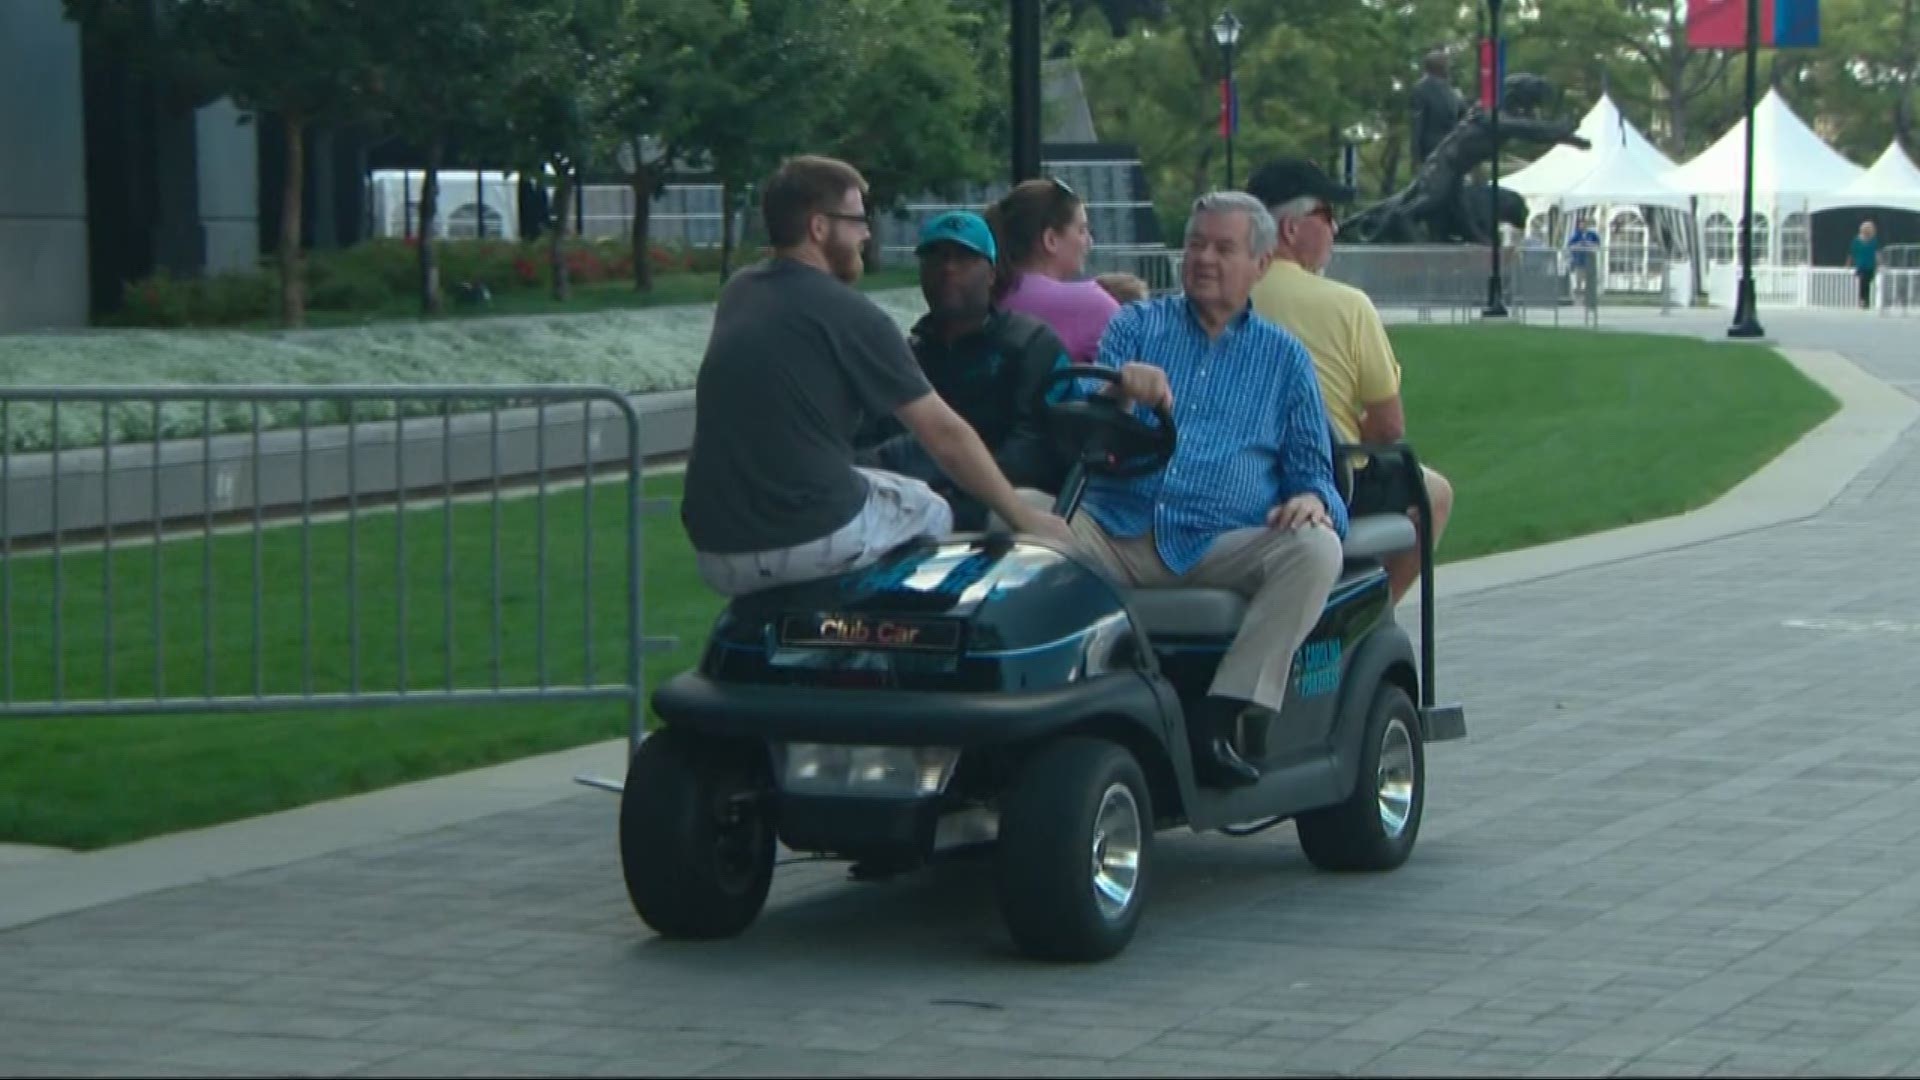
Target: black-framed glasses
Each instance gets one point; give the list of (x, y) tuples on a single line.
[(841, 215)]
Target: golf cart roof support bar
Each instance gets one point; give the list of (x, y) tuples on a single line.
[(1423, 526)]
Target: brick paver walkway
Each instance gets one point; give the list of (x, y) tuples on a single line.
[(1681, 840)]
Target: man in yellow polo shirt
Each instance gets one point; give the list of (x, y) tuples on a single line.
[(1358, 372)]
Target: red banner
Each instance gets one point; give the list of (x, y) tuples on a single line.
[(1490, 74), (1722, 24)]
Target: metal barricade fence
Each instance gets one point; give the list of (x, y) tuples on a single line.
[(281, 528), (1896, 291), (1425, 278)]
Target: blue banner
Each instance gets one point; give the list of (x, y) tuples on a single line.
[(1796, 24)]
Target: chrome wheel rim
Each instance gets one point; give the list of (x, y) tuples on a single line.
[(1394, 778), (1116, 851)]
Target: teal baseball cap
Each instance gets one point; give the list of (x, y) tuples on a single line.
[(962, 227)]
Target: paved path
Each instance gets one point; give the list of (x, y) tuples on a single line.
[(1683, 838)]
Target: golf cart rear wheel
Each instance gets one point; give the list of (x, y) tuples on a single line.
[(696, 842), (1076, 836), (1374, 829)]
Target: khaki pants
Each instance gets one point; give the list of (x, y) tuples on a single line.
[(1285, 574), (898, 509)]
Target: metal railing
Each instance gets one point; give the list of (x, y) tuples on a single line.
[(292, 533)]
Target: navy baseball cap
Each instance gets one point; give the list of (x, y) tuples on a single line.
[(1286, 178), (962, 227)]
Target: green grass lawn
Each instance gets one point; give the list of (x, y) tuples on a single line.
[(1545, 433), (1548, 434)]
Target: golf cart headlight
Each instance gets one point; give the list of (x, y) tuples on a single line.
[(815, 764), (828, 769)]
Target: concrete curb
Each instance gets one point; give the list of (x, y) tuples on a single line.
[(42, 883), (1797, 484)]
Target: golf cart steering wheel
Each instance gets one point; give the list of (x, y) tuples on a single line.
[(1101, 433)]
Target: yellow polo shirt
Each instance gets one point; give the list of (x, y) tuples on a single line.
[(1341, 331)]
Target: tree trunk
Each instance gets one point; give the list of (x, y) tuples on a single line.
[(726, 230), (429, 199), (293, 301), (1677, 103), (1202, 170), (1903, 102), (557, 232), (642, 182)]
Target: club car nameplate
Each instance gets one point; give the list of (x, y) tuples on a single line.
[(871, 632)]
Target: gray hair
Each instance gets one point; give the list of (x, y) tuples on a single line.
[(1298, 207), (1261, 230)]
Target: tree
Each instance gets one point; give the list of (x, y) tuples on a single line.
[(1862, 78), (765, 90), (447, 72), (306, 60), (1641, 46), (551, 121), (911, 110), (640, 96)]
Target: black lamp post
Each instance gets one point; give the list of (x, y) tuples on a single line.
[(1746, 317), (1226, 31), (1025, 48), (1496, 305)]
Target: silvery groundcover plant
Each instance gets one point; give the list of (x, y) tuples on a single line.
[(641, 351)]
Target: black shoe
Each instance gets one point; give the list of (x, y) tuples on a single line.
[(1215, 762)]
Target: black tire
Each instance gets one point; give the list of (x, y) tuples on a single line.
[(1356, 834), (1048, 843), (696, 838)]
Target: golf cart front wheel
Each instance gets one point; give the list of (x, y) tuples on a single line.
[(1076, 836), (1374, 829), (696, 841)]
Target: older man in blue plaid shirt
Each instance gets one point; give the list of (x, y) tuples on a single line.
[(1248, 502)]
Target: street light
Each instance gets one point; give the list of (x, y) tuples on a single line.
[(1496, 306), (1024, 43), (1226, 31), (1746, 317)]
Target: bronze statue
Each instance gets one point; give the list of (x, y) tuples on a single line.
[(1436, 107), (1440, 206)]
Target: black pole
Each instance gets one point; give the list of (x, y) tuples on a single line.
[(1026, 89), (1496, 306), (1231, 107), (1746, 319)]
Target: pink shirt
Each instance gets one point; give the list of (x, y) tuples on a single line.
[(1076, 310)]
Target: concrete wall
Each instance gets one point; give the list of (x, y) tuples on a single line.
[(229, 174), (43, 188), (31, 493)]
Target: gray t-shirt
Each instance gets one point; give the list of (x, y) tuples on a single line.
[(797, 361)]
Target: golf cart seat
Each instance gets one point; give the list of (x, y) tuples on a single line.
[(1217, 613)]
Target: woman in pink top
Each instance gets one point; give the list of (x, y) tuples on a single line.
[(1041, 228)]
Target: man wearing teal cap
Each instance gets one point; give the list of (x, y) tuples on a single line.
[(985, 362)]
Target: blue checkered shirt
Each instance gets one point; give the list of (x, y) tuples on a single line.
[(1252, 430)]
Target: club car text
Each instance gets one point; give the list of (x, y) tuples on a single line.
[(864, 632)]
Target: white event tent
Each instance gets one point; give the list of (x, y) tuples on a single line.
[(1892, 183), (1791, 168), (1617, 182), (1622, 167)]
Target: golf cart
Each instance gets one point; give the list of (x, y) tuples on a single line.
[(996, 694)]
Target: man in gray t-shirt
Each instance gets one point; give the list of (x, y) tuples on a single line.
[(797, 361)]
